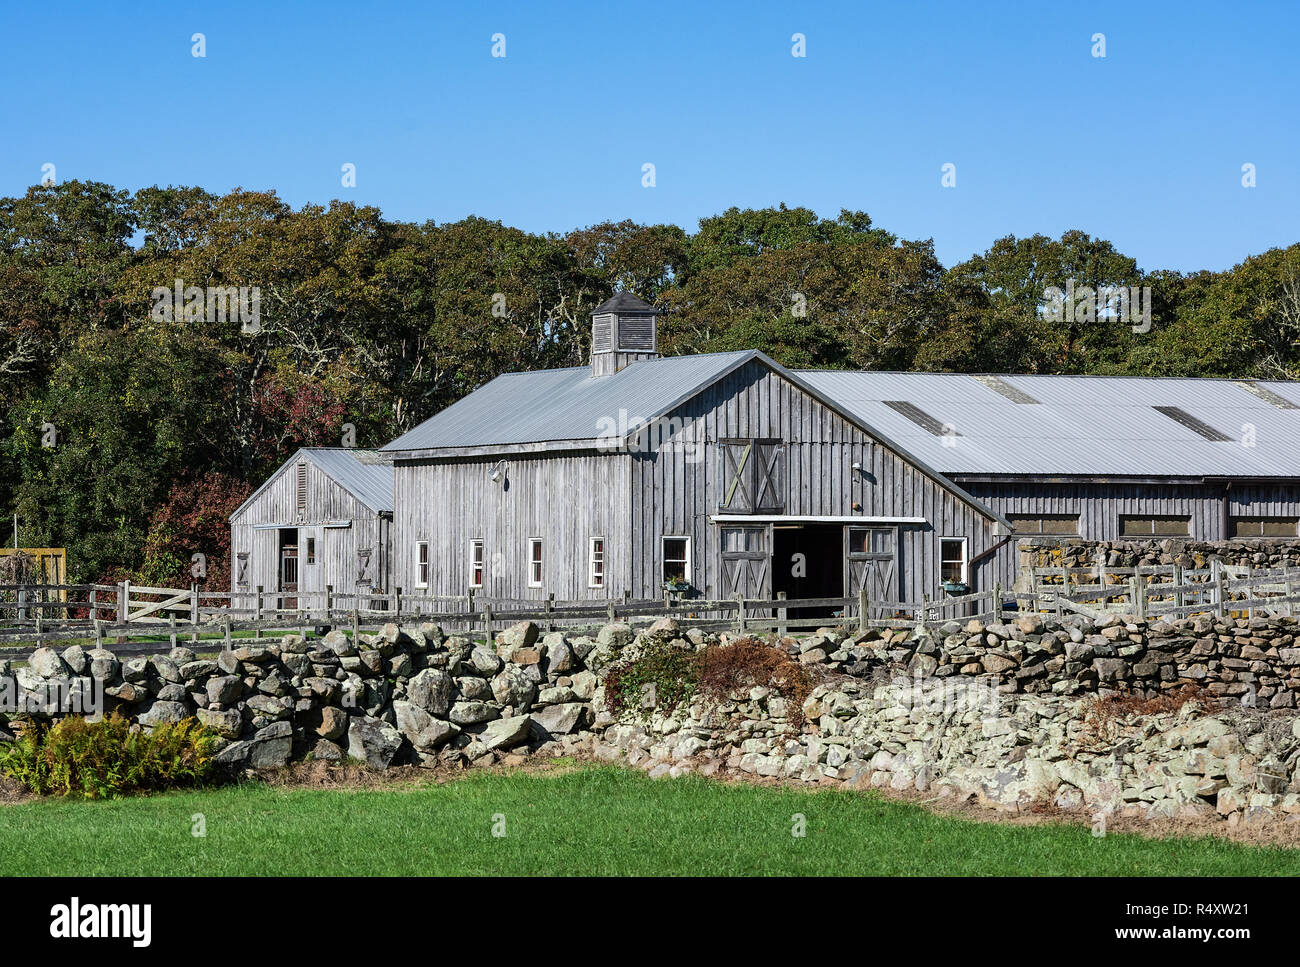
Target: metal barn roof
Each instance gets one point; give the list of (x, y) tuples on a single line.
[(567, 404), (1080, 425), (1000, 425), (360, 472)]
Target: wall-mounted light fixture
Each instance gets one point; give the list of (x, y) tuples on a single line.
[(497, 471)]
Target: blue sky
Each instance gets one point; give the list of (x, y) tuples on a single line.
[(1144, 147)]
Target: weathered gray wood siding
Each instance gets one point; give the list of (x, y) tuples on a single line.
[(677, 489), (564, 498), (336, 547), (1101, 505)]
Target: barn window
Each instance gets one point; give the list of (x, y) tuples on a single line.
[(242, 575), (476, 563), (596, 563), (751, 476), (1046, 524), (677, 560), (534, 562), (421, 564), (1264, 527), (1162, 526), (301, 495), (311, 550), (871, 542), (953, 562)]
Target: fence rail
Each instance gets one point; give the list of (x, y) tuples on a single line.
[(145, 619)]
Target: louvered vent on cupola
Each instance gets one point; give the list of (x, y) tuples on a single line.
[(623, 331)]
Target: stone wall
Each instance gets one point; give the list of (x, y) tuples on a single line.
[(1010, 715), (403, 695), (1076, 552)]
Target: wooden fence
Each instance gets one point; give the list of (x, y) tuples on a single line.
[(140, 619)]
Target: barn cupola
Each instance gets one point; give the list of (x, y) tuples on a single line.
[(623, 331)]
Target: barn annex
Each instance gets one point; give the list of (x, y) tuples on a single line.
[(727, 474), (323, 519)]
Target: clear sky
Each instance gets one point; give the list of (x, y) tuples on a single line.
[(1144, 147)]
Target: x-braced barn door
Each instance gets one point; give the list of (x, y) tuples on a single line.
[(745, 562), (871, 562)]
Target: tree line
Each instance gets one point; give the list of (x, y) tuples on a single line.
[(128, 434)]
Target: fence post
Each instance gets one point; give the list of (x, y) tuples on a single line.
[(194, 612), (228, 643), (257, 613), (171, 625), (1179, 598), (997, 601), (487, 624), (1220, 603), (397, 605), (329, 602), (863, 609), (123, 601), (94, 608), (356, 623), (549, 607), (99, 634), (781, 615), (611, 611)]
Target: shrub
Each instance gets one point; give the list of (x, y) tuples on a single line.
[(109, 758), (743, 664), (716, 672), (670, 671)]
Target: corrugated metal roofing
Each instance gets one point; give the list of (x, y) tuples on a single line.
[(1082, 426), (370, 481), (567, 404), (361, 472), (1079, 426)]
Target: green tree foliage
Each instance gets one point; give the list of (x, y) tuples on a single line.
[(164, 422)]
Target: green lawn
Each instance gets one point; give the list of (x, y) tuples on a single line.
[(604, 820)]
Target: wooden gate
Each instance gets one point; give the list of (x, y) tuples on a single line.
[(871, 563), (746, 562)]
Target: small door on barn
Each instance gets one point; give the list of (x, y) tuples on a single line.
[(365, 584), (288, 569), (871, 562), (746, 562), (310, 567)]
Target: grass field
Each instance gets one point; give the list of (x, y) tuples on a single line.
[(598, 820)]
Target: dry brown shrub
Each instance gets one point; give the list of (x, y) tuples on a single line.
[(743, 664)]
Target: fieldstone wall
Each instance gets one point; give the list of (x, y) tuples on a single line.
[(1076, 552), (403, 695), (1009, 714)]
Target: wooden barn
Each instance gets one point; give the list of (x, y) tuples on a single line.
[(323, 519), (726, 474), (723, 474)]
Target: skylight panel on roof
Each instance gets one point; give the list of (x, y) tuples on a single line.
[(1000, 386), (1267, 395), (920, 418), (1179, 415)]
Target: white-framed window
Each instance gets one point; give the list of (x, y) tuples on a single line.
[(311, 550), (954, 565), (421, 564), (476, 563), (677, 559), (534, 562), (596, 563)]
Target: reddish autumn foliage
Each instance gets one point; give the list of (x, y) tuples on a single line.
[(194, 519), (293, 413)]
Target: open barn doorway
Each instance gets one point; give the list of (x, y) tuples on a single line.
[(808, 562)]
